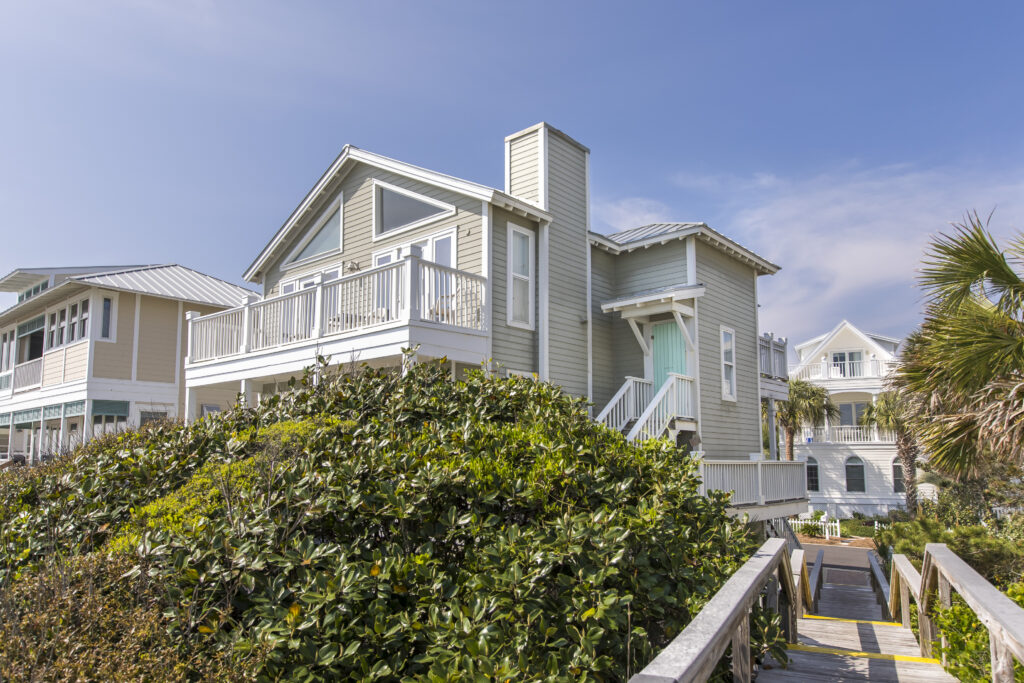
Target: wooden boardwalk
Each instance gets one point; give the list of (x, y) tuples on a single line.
[(848, 641)]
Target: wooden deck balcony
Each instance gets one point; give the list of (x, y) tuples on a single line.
[(28, 375), (411, 290)]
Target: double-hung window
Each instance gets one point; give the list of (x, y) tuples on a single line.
[(521, 277), (728, 344), (106, 327)]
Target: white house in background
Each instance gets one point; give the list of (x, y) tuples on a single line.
[(657, 324), (850, 467), (89, 350)]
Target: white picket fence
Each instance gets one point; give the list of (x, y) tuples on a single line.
[(819, 527)]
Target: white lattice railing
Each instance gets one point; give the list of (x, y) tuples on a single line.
[(628, 403), (28, 375), (759, 482), (410, 290), (674, 400)]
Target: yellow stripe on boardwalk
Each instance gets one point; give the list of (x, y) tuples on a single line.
[(853, 621), (862, 655)]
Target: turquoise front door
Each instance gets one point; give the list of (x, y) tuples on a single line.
[(669, 352)]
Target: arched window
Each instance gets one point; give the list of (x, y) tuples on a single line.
[(812, 475), (855, 475), (897, 477)]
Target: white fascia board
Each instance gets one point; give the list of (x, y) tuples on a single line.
[(671, 296), (713, 237)]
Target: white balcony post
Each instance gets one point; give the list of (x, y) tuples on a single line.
[(190, 316), (412, 285), (760, 482), (190, 404), (247, 303), (318, 305)]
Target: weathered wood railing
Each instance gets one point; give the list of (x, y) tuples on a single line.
[(942, 572), (628, 403), (695, 652)]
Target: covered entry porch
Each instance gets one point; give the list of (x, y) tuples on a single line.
[(665, 400)]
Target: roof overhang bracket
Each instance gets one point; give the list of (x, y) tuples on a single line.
[(639, 336)]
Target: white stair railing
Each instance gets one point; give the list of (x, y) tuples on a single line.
[(674, 400), (628, 403)]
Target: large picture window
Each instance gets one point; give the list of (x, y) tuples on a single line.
[(397, 209), (728, 342), (521, 277), (323, 238)]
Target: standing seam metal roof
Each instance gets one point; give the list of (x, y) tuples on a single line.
[(171, 281), (650, 230)]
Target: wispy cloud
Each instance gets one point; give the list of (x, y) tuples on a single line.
[(630, 212)]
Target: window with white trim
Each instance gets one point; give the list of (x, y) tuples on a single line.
[(68, 324), (898, 484), (323, 238), (396, 209), (521, 277), (728, 344), (855, 475), (438, 248), (107, 319), (6, 351)]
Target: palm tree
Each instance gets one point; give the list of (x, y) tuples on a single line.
[(894, 412), (965, 366), (807, 404)]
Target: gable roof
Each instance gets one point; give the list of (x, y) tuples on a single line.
[(351, 155), (659, 233), (166, 281), (821, 341)]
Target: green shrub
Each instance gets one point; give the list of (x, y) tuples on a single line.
[(999, 560), (373, 526), (967, 645), (82, 621), (857, 527)]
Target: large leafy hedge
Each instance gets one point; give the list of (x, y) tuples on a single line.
[(376, 526)]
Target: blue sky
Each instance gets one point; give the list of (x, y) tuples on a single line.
[(833, 138)]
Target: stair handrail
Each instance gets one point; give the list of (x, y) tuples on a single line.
[(661, 410), (623, 404), (725, 619), (942, 572)]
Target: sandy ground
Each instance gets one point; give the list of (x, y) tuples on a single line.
[(849, 542)]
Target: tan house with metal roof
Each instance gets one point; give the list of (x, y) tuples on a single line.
[(656, 325), (94, 349)]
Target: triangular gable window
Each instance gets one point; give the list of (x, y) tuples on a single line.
[(327, 238), (398, 210)]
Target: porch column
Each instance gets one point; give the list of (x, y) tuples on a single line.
[(248, 391), (63, 429), (42, 438), (773, 445), (87, 421), (190, 404)]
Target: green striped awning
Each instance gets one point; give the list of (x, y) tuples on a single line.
[(51, 412), (117, 408), (31, 326), (5, 419)]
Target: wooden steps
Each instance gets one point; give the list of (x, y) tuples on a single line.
[(848, 640)]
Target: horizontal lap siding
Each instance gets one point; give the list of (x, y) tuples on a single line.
[(158, 328), (357, 239), (606, 380), (511, 347), (113, 360), (524, 164), (657, 266), (76, 362), (568, 247), (728, 428), (53, 367)]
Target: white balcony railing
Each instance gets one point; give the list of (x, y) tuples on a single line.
[(674, 400), (772, 356), (410, 290), (761, 482), (844, 370), (28, 375), (628, 403), (847, 434)]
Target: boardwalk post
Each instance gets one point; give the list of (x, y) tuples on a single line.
[(1002, 660), (741, 670), (946, 600), (904, 602)]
